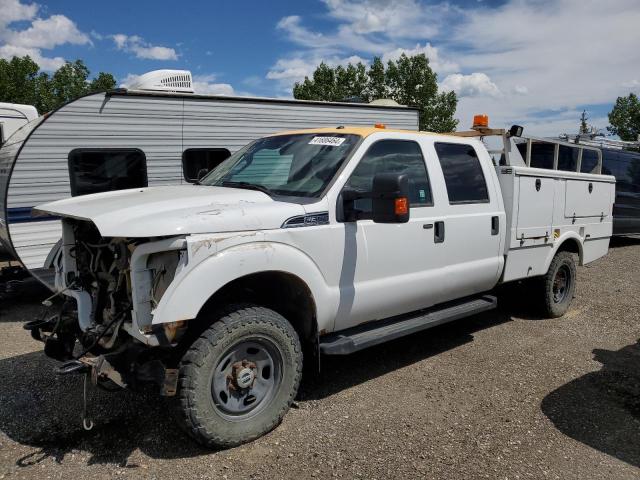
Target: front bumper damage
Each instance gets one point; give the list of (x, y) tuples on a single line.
[(113, 347)]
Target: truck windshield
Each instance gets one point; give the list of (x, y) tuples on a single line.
[(300, 165)]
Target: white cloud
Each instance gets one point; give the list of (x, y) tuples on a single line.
[(474, 85), (14, 11), (393, 18), (142, 49), (520, 90), (202, 84), (41, 34), (632, 84), (438, 64), (364, 28), (45, 63), (344, 37), (48, 33), (287, 71), (568, 53), (531, 58), (206, 85)]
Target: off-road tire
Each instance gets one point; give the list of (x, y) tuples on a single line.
[(196, 408), (552, 307)]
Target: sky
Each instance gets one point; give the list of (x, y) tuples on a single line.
[(537, 63)]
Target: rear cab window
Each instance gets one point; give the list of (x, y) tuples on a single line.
[(463, 173)]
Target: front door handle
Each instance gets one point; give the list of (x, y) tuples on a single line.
[(438, 232), (495, 225)]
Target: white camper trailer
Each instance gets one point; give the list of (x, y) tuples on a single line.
[(155, 134), (13, 116)]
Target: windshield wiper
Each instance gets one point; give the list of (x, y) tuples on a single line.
[(248, 186)]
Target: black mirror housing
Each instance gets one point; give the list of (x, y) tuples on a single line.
[(202, 173), (390, 198), (516, 131)]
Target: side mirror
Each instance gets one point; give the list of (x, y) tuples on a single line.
[(516, 131), (202, 173), (390, 198)]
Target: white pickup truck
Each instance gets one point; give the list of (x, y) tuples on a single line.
[(315, 241)]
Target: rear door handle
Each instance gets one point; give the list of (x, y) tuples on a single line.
[(495, 225), (438, 232)]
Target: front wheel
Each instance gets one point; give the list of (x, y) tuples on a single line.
[(240, 377), (559, 285)]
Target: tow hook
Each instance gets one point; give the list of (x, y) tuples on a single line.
[(76, 367)]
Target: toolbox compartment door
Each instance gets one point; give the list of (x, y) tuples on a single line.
[(535, 206), (584, 198)]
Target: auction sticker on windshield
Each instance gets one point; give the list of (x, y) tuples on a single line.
[(332, 141)]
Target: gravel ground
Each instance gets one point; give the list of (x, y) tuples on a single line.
[(502, 395)]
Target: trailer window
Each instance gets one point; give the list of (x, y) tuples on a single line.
[(462, 173), (105, 170), (197, 161), (392, 156)]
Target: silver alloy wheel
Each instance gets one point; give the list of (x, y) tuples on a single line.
[(246, 378)]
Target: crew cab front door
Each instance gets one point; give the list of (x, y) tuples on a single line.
[(390, 269)]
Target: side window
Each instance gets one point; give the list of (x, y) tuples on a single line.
[(462, 173), (589, 161), (197, 160), (392, 156), (104, 170), (568, 158), (1, 133), (542, 155)]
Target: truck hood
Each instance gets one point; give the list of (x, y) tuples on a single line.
[(175, 210)]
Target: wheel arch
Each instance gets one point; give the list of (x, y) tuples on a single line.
[(570, 242), (271, 272), (283, 292)]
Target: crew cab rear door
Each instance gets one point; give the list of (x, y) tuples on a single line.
[(466, 189)]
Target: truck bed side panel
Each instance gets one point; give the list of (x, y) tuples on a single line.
[(549, 207)]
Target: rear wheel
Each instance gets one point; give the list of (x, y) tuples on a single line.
[(559, 284), (240, 377)]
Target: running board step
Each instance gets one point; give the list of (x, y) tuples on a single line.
[(374, 333)]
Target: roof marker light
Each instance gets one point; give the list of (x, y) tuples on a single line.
[(480, 121), (380, 125)]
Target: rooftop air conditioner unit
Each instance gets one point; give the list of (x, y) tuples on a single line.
[(165, 81)]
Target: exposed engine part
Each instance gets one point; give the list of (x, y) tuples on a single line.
[(58, 329), (103, 272)]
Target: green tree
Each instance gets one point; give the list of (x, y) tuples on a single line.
[(584, 126), (104, 81), (625, 118), (22, 82), (18, 80), (407, 80)]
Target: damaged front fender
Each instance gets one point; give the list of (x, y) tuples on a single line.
[(215, 262)]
